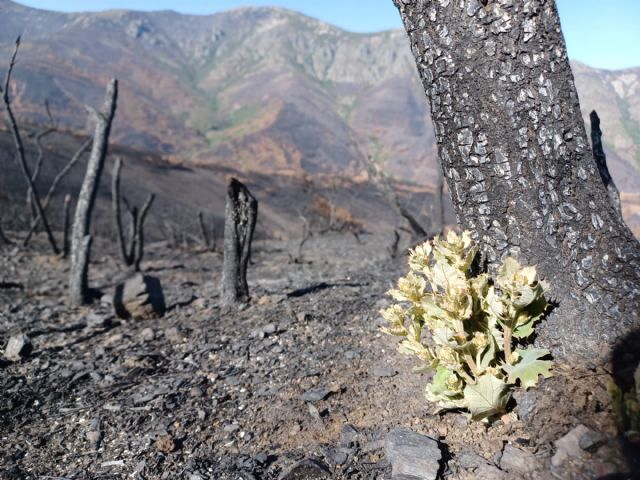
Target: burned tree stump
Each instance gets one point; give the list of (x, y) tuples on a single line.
[(241, 212), (81, 234)]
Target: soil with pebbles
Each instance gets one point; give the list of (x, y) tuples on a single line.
[(216, 393)]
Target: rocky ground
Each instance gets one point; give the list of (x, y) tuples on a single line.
[(297, 384)]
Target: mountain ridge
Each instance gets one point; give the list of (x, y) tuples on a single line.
[(260, 88)]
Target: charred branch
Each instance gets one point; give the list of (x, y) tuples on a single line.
[(133, 253), (209, 240), (66, 225), (20, 153), (54, 185)]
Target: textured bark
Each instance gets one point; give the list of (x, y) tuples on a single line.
[(514, 150), (241, 213), (80, 237), (437, 224), (601, 160)]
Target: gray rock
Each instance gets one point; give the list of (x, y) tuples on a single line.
[(337, 456), (527, 405), (469, 460), (490, 472), (568, 446), (313, 411), (307, 469), (96, 320), (351, 354), (316, 394), (518, 461), (480, 466), (233, 427), (139, 297), (147, 334), (384, 371), (270, 328), (412, 456), (174, 335), (349, 435), (18, 347), (94, 438), (591, 441)]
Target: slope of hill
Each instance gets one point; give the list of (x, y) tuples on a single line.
[(261, 89)]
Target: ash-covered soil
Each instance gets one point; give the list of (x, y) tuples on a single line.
[(215, 393)]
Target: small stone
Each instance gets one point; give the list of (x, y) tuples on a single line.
[(348, 435), (303, 317), (147, 334), (196, 392), (384, 371), (591, 441), (174, 335), (18, 347), (316, 394), (139, 297), (165, 444), (307, 469), (199, 303), (412, 456), (568, 446), (337, 456), (94, 438), (98, 321), (313, 411), (202, 414), (518, 461), (526, 405), (263, 300), (233, 427), (295, 430), (351, 354), (269, 328)]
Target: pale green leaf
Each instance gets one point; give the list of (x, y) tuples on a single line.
[(529, 367), (488, 397)]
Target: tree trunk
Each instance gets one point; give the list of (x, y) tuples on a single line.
[(139, 232), (127, 256), (241, 213), (514, 150), (81, 235)]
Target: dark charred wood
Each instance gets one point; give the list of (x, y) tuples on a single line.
[(601, 160), (20, 153), (81, 237), (241, 213)]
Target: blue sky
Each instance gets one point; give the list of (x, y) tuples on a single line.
[(600, 33)]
